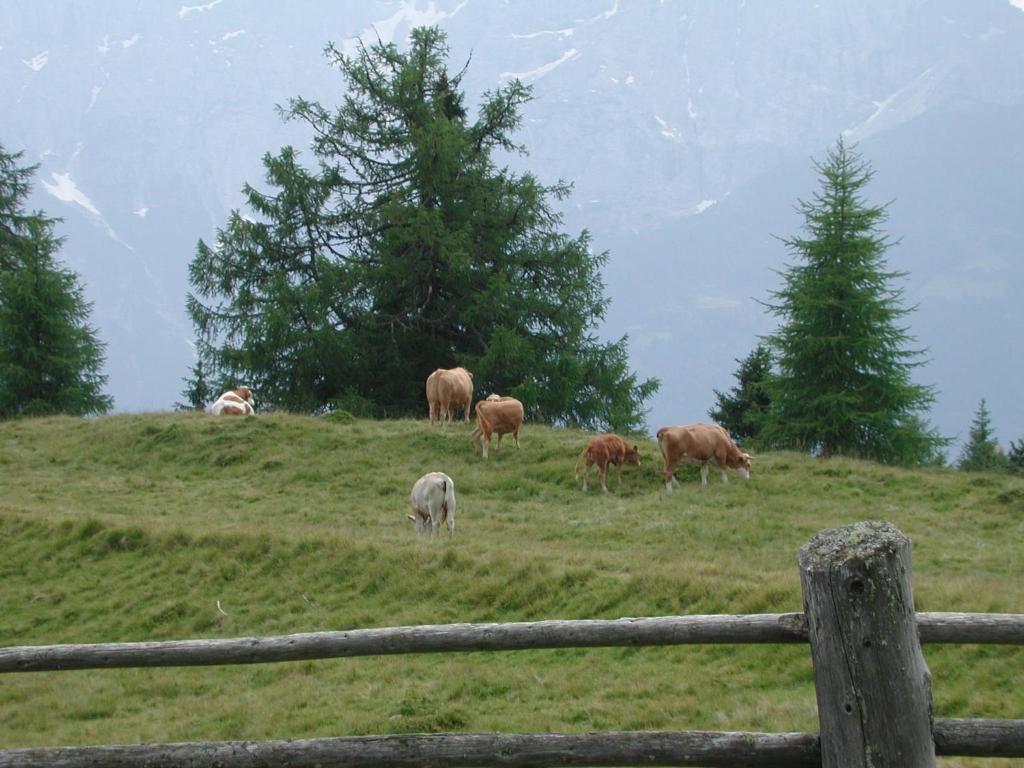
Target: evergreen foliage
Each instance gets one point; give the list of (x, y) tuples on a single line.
[(1015, 458), (742, 410), (981, 452), (50, 358), (843, 382), (407, 249), (197, 392)]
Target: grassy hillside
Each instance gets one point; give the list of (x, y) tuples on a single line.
[(134, 527)]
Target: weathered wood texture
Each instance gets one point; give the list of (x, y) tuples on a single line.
[(1005, 628), (977, 738), (668, 630), (872, 684), (699, 748)]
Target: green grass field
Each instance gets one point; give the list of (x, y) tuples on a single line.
[(135, 527)]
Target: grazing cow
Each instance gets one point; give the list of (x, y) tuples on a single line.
[(234, 402), (500, 417), (448, 389), (701, 444), (432, 401), (433, 502), (604, 450)]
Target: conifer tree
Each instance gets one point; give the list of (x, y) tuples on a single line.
[(197, 393), (981, 452), (407, 248), (1015, 458), (50, 358), (742, 410), (843, 384)]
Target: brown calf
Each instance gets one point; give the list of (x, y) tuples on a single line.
[(604, 450)]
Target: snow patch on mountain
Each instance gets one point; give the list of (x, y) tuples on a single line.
[(561, 34), (131, 40), (37, 62), (541, 71), (65, 190), (232, 35), (92, 99), (104, 49), (407, 13), (606, 15), (668, 131), (185, 10)]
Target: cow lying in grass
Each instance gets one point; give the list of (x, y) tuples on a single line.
[(234, 402), (700, 444), (604, 450), (433, 502)]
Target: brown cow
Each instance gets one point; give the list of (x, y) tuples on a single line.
[(701, 444), (500, 417), (448, 389), (604, 450), (234, 402)]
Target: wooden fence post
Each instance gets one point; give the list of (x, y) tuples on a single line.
[(873, 686)]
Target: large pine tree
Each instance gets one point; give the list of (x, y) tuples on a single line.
[(408, 248), (50, 358), (843, 384)]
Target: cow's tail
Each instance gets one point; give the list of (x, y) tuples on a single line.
[(576, 471), (448, 515), (661, 439)]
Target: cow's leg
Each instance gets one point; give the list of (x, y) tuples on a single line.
[(515, 436), (603, 471), (670, 479), (618, 472), (725, 476), (704, 473), (466, 409), (586, 473), (486, 443)]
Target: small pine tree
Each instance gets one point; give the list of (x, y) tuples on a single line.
[(1015, 458), (741, 410), (197, 391), (50, 358), (981, 452)]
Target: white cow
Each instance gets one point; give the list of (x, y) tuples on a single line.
[(433, 502), (234, 402)]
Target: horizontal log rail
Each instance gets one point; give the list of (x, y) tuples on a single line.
[(977, 738), (664, 630)]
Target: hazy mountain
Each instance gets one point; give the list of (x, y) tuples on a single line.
[(688, 128)]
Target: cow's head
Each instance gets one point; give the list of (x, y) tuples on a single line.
[(742, 465), (632, 456)]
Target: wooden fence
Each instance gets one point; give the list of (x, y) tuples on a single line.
[(872, 685)]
